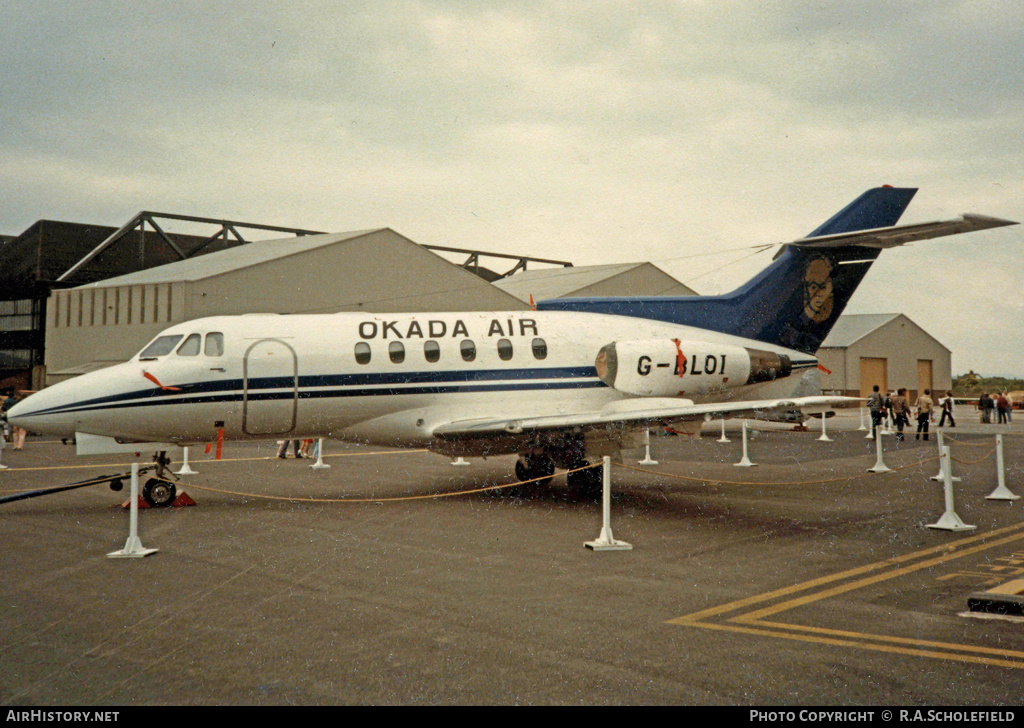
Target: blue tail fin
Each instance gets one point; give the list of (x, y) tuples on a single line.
[(794, 302)]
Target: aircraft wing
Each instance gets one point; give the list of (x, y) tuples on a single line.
[(890, 237), (644, 411)]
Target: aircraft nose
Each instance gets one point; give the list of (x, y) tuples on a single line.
[(45, 411)]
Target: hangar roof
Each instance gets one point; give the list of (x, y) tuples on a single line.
[(634, 279), (242, 256), (851, 328)]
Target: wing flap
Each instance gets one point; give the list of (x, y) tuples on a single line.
[(629, 412)]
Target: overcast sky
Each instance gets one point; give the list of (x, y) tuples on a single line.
[(599, 132)]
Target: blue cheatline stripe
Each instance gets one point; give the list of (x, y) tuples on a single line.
[(231, 390)]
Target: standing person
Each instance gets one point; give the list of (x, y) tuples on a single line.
[(947, 410), (924, 414), (304, 450), (876, 406), (1002, 404), (990, 405), (17, 433), (5, 428), (900, 412), (282, 452)]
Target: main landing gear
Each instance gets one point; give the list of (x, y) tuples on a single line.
[(531, 466), (538, 465)]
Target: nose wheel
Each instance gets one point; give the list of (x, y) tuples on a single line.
[(159, 492)]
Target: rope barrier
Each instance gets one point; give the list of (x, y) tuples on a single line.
[(389, 499), (772, 482), (967, 444), (434, 496), (974, 462)]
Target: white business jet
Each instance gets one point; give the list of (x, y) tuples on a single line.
[(559, 386)]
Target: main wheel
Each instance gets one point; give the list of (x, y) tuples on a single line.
[(585, 483), (159, 493), (529, 467)]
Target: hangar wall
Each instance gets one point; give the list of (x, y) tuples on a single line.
[(379, 271), (907, 351)]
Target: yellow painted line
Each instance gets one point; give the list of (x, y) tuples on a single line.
[(1010, 588), (205, 461), (802, 601), (754, 624), (860, 645), (951, 646), (841, 576)]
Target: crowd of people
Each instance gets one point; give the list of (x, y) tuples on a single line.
[(999, 404), (897, 408)]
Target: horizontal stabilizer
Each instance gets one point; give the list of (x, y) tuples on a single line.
[(890, 237)]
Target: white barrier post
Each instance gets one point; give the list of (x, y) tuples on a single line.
[(320, 464), (460, 461), (185, 467), (880, 466), (605, 542), (3, 444), (949, 521), (938, 476), (887, 425), (862, 427), (723, 438), (824, 436), (647, 450), (1001, 492), (133, 546), (744, 461)]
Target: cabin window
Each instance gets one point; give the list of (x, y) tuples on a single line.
[(214, 344), (161, 346), (468, 350), (504, 349), (190, 347), (540, 349), (362, 353), (396, 350), (431, 351)]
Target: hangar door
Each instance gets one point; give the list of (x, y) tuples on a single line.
[(270, 388), (924, 376), (873, 371)]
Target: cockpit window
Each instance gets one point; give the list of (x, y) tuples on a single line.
[(190, 347), (162, 346), (214, 344)]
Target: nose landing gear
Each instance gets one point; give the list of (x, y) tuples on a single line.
[(159, 492)]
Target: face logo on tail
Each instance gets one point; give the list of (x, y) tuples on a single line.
[(818, 290)]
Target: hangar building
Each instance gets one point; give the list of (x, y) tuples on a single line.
[(51, 254), (98, 324), (889, 350), (629, 279)]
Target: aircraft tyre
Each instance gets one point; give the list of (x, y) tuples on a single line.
[(529, 467), (159, 493), (585, 483)]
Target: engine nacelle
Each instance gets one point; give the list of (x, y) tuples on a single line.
[(673, 368)]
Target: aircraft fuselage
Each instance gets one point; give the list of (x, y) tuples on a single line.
[(386, 379)]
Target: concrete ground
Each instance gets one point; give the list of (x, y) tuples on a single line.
[(801, 580)]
